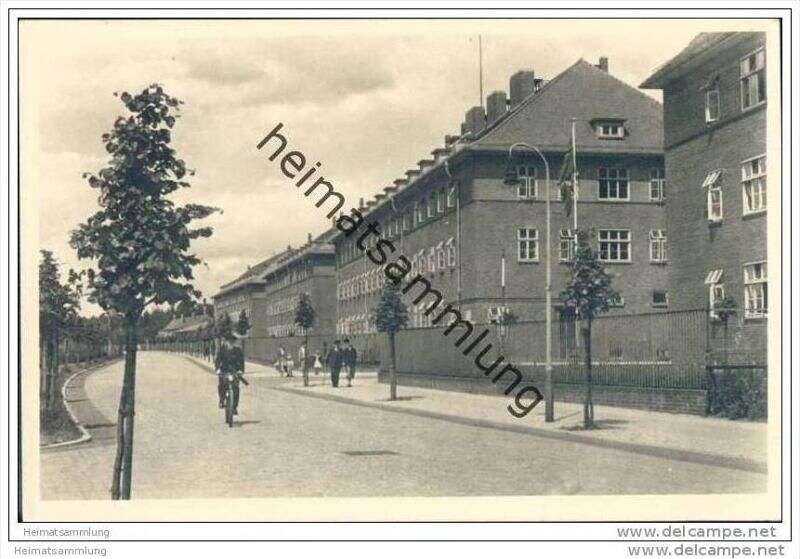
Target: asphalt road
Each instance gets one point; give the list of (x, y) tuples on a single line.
[(292, 445)]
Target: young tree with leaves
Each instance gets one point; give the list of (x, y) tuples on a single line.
[(58, 306), (390, 316), (588, 294), (304, 316), (139, 239)]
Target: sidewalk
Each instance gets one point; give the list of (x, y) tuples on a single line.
[(708, 440)]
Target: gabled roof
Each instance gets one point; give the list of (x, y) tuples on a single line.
[(586, 93), (703, 42)]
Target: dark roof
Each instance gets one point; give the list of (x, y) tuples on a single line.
[(700, 44), (188, 324), (586, 93)]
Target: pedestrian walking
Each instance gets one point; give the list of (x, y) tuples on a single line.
[(289, 365), (350, 357), (282, 360), (335, 363)]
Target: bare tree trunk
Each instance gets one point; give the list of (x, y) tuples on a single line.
[(588, 405), (392, 369), (305, 363), (123, 461)]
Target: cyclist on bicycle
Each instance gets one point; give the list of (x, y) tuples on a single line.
[(230, 360)]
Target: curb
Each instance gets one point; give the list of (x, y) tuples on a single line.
[(85, 435), (703, 458), (696, 457)]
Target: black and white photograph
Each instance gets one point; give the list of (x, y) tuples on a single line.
[(386, 267)]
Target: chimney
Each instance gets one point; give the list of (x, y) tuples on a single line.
[(475, 120), (440, 153), (309, 238), (521, 84), (425, 163), (411, 174), (400, 183), (450, 139), (603, 64), (495, 106), (360, 203)]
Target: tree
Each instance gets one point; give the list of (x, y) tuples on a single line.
[(223, 326), (588, 294), (58, 306), (243, 328), (139, 240), (304, 316), (390, 316)]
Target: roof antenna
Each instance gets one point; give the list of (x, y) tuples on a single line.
[(480, 68)]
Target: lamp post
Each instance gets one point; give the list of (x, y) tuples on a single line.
[(511, 179)]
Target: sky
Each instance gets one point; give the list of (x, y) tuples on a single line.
[(368, 99)]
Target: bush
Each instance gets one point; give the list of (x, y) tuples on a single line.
[(738, 393)]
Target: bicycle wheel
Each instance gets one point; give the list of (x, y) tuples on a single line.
[(229, 407)]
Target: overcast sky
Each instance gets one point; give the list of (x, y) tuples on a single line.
[(367, 99)]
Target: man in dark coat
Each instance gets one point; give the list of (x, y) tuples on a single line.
[(230, 359), (350, 357), (335, 363)]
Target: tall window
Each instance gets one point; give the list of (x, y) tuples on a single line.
[(613, 183), (432, 259), (451, 253), (527, 187), (658, 246), (712, 104), (441, 259), (753, 79), (420, 212), (440, 201), (714, 196), (657, 182), (566, 246), (527, 245), (754, 185), (755, 290), (615, 245), (431, 206), (716, 290), (408, 219), (451, 197)]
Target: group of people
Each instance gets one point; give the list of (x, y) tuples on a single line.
[(342, 355)]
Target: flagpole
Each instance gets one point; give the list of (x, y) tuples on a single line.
[(574, 183)]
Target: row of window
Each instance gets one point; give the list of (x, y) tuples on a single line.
[(430, 207), (754, 189), (752, 86), (613, 245), (755, 289), (356, 324), (365, 283), (283, 306), (612, 184), (284, 330)]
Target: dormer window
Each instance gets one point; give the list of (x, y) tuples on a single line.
[(609, 129)]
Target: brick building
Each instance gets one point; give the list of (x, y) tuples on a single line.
[(268, 293), (715, 145), (481, 243)]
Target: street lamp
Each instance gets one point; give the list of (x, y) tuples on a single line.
[(512, 179)]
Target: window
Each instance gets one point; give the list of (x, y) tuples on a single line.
[(421, 262), (432, 206), (716, 289), (753, 79), (451, 253), (712, 183), (754, 185), (420, 212), (658, 246), (610, 130), (712, 104), (527, 187), (440, 201), (615, 245), (566, 247), (432, 260), (617, 301), (755, 290), (440, 257), (660, 299), (657, 184), (613, 183), (407, 220), (528, 245), (451, 197)]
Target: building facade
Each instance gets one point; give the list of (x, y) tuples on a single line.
[(481, 242), (715, 141)]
